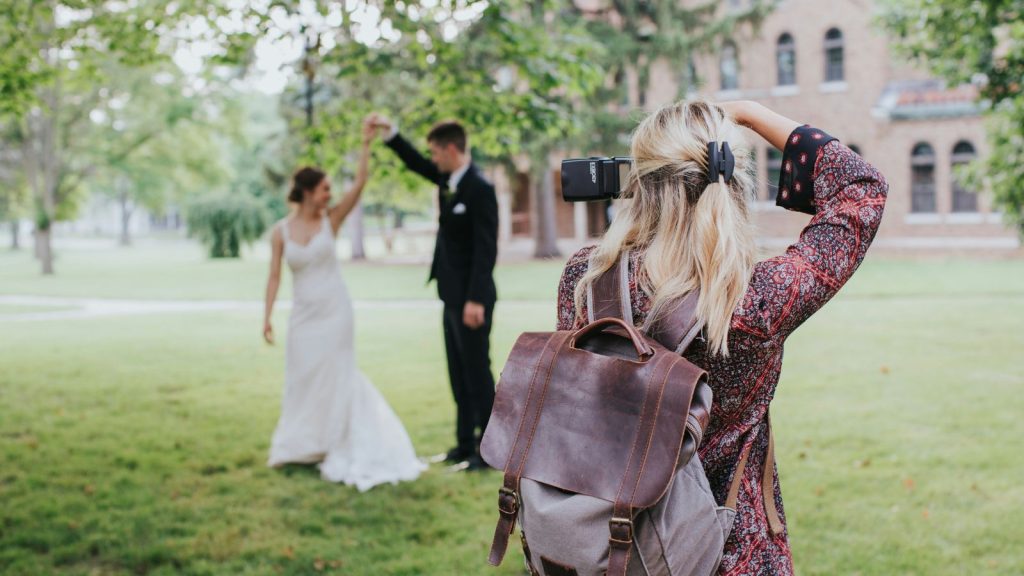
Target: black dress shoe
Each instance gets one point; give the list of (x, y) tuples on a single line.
[(475, 462), (456, 455)]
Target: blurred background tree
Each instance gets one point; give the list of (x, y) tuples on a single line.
[(54, 71), (982, 43), (154, 141)]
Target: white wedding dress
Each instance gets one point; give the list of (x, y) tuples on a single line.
[(331, 412)]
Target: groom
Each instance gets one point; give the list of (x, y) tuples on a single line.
[(463, 265)]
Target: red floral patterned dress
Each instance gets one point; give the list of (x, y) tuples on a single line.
[(846, 195)]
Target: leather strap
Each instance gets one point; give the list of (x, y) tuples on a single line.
[(767, 482), (608, 295), (677, 329), (508, 494), (620, 527), (526, 552)]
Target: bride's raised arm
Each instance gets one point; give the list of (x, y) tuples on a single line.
[(343, 208)]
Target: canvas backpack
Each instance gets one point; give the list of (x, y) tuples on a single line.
[(597, 432)]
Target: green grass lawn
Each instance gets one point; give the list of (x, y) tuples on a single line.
[(136, 445), (180, 270)]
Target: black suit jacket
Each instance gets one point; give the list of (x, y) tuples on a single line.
[(467, 236)]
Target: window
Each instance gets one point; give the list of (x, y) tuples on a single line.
[(728, 67), (834, 56), (964, 200), (774, 173), (922, 178), (785, 60), (688, 79), (622, 85)]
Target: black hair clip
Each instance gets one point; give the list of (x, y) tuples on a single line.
[(720, 162)]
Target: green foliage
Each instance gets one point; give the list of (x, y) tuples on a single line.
[(152, 144), (1002, 171), (982, 43), (224, 223)]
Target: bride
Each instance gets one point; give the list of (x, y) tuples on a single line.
[(331, 414)]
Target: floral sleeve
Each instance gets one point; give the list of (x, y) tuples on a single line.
[(846, 195), (574, 270)]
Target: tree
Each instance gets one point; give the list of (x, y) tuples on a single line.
[(517, 76), (52, 76), (153, 141), (981, 43)]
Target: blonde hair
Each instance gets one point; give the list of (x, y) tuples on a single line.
[(696, 233)]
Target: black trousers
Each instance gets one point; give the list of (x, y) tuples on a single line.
[(469, 370)]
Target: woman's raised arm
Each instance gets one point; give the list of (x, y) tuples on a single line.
[(846, 197), (343, 208)]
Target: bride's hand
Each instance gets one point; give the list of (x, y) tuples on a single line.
[(369, 131), (268, 333)]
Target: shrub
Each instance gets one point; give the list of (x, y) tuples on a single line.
[(223, 223)]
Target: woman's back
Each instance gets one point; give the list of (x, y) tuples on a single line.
[(846, 196)]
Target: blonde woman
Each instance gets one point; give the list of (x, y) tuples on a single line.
[(686, 232)]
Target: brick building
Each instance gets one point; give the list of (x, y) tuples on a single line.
[(832, 68)]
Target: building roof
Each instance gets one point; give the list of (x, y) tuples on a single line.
[(927, 99)]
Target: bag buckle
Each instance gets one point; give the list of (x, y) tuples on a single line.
[(621, 530), (508, 501)]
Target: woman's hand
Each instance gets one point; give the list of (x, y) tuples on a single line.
[(369, 131), (268, 332), (739, 111), (773, 127)]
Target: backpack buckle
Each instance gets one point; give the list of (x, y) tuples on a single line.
[(508, 501), (621, 530)]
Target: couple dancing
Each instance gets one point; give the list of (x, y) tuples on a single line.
[(331, 414)]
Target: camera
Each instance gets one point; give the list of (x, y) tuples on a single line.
[(598, 178)]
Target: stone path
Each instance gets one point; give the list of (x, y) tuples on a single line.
[(76, 308)]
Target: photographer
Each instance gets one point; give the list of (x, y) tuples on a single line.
[(687, 227)]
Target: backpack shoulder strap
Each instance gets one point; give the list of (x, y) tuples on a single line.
[(767, 482), (608, 295), (679, 327)]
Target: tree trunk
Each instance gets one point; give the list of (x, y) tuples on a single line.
[(15, 234), (386, 231), (44, 250), (545, 233), (358, 247), (126, 219)]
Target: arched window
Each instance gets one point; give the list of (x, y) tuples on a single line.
[(774, 173), (922, 178), (785, 60), (729, 67), (964, 200), (834, 55)]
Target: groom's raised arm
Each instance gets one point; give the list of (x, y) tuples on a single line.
[(413, 159)]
